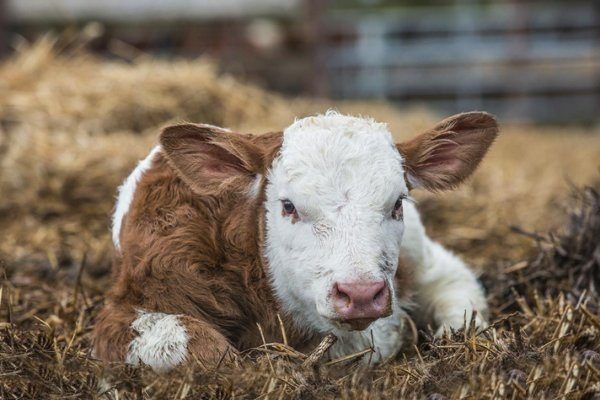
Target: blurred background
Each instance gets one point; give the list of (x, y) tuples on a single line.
[(525, 61)]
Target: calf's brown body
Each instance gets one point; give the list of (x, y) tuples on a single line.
[(195, 255)]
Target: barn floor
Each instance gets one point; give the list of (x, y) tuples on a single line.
[(72, 126)]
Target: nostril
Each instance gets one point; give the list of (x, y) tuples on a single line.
[(379, 294), (382, 297), (341, 295)]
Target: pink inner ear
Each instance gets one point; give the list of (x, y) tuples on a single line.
[(445, 157), (217, 161), (449, 165)]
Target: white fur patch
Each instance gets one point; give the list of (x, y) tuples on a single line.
[(126, 192), (161, 344)]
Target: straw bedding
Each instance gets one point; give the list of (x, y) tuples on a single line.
[(72, 126)]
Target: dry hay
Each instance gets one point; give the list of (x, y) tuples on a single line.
[(71, 128)]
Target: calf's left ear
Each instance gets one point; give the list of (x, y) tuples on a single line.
[(446, 155)]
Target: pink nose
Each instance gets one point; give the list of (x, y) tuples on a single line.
[(360, 303)]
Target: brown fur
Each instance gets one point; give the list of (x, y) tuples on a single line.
[(113, 333), (206, 344)]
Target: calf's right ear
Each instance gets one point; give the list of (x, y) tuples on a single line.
[(211, 159)]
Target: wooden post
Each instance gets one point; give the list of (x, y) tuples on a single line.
[(596, 24), (3, 27), (314, 32)]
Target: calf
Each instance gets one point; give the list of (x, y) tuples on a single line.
[(217, 232)]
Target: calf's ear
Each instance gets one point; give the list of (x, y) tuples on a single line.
[(446, 155), (210, 159)]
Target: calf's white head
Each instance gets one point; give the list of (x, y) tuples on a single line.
[(333, 203)]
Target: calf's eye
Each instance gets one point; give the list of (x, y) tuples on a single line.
[(288, 207), (398, 212)]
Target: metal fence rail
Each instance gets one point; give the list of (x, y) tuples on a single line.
[(523, 60)]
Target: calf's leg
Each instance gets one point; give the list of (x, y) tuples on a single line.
[(158, 340), (448, 290)]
